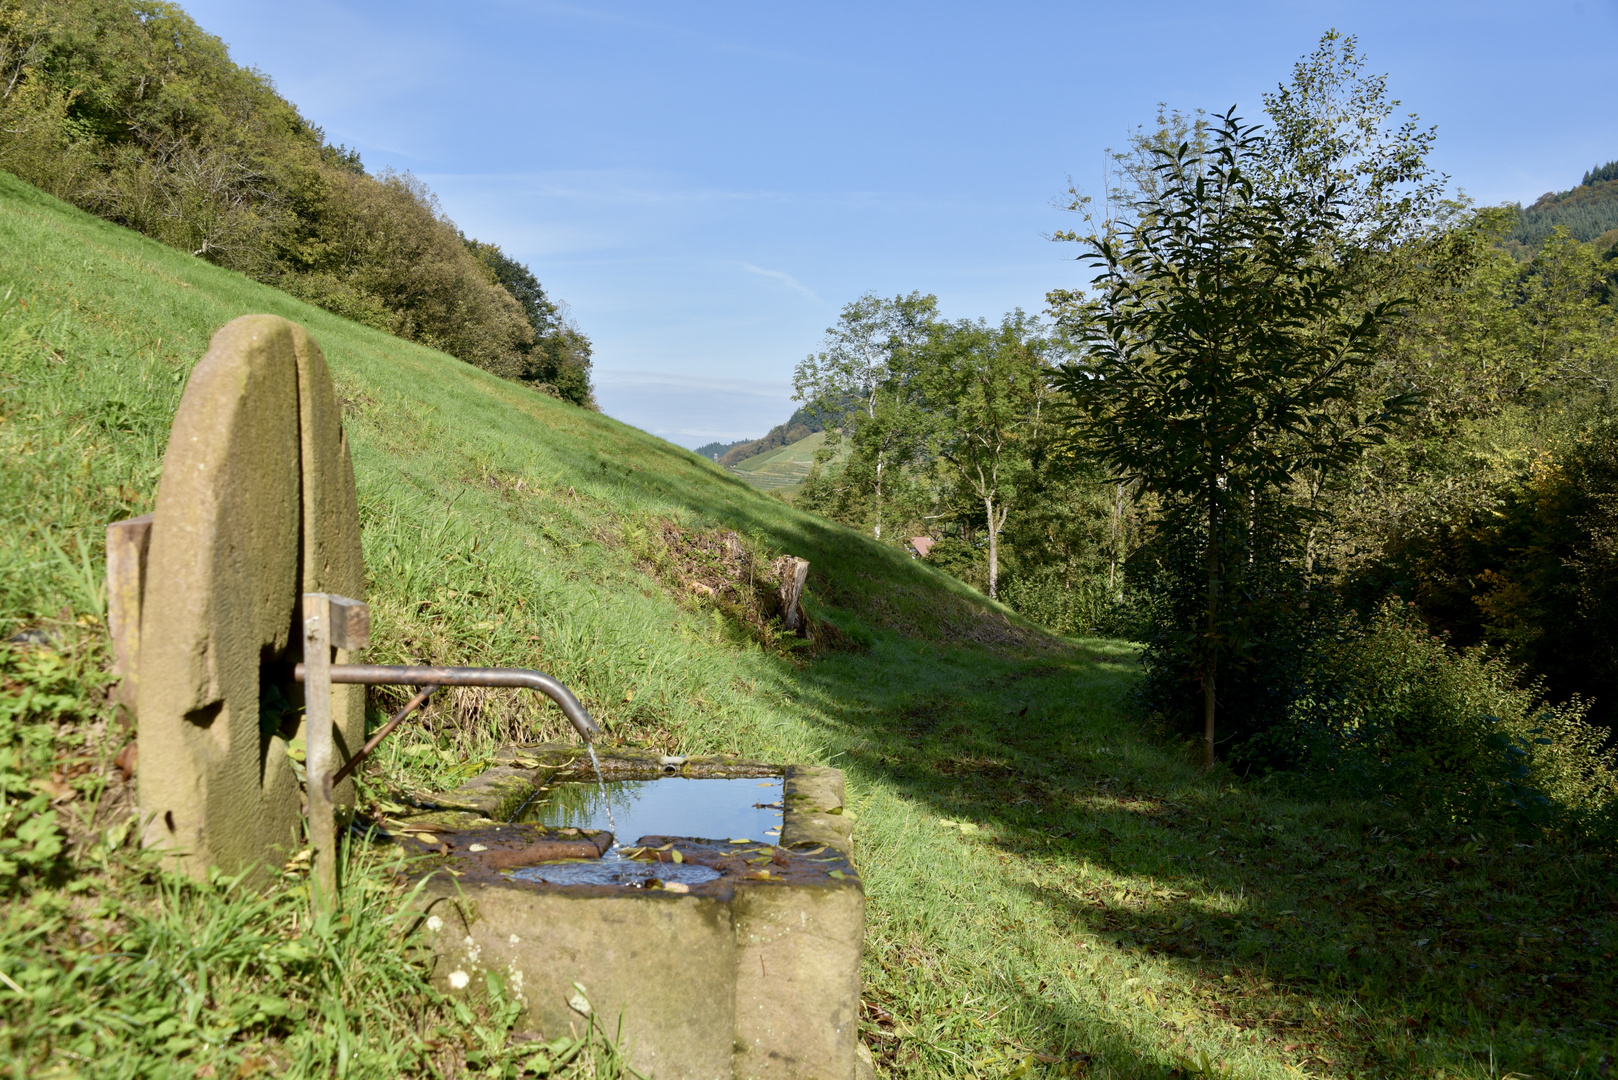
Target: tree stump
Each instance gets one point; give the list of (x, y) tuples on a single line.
[(792, 572)]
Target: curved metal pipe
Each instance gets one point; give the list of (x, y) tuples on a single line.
[(382, 675)]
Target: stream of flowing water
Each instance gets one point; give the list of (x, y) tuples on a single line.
[(601, 784)]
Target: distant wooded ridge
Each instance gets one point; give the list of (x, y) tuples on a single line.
[(715, 450), (1588, 212), (800, 425)]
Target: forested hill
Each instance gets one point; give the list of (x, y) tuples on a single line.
[(133, 112), (800, 425), (716, 450), (1589, 211)]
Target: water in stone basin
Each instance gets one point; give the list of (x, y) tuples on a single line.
[(741, 809), (671, 806), (613, 869)]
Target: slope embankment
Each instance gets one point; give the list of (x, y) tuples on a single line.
[(1052, 892)]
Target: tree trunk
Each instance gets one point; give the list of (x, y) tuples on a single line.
[(994, 549), (1113, 592), (1210, 659), (879, 464)]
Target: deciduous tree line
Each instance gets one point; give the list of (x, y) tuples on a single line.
[(1308, 413), (128, 109)]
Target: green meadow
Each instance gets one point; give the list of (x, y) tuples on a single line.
[(782, 468), (1053, 889)]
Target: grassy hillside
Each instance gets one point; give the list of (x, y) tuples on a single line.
[(1052, 892), (782, 468)]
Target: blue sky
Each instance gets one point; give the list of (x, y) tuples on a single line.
[(707, 184)]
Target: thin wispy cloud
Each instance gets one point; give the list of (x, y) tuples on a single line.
[(782, 276), (693, 409), (766, 388), (634, 154)]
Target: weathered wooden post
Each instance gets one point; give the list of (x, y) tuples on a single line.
[(127, 545), (794, 573), (328, 622)]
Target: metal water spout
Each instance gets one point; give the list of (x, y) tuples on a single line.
[(428, 679), (336, 622)]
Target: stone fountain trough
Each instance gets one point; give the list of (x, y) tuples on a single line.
[(712, 957), (751, 973)]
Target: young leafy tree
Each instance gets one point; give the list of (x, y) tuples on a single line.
[(862, 383), (984, 390), (1332, 129), (1217, 356)]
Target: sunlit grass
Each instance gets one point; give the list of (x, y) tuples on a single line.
[(1052, 889)]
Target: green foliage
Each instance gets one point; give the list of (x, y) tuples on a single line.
[(39, 691), (1069, 600), (1501, 333), (1330, 136), (1527, 567), (985, 394), (937, 425), (558, 359), (1585, 212), (862, 388), (1068, 545), (130, 110), (1398, 715), (1113, 912), (1213, 371), (1601, 173)]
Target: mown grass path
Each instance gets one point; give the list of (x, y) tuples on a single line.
[(1053, 892)]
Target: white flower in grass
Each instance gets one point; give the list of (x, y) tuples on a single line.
[(434, 923), (459, 979)]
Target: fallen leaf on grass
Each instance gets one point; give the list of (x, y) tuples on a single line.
[(58, 791)]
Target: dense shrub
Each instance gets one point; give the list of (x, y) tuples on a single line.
[(129, 110), (1272, 614), (1076, 600), (1397, 714), (1529, 568)]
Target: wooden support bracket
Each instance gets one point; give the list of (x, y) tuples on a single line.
[(127, 544), (329, 622)]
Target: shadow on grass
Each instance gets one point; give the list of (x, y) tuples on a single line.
[(1296, 931)]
